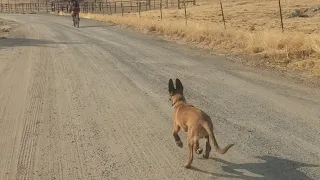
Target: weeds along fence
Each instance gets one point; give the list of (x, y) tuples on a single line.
[(106, 7)]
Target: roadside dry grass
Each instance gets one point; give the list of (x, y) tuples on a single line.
[(253, 29), (4, 28)]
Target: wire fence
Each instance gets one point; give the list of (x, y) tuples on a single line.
[(106, 7)]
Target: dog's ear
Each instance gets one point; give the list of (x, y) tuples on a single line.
[(171, 87), (179, 86)]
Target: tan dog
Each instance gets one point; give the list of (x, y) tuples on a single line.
[(192, 120)]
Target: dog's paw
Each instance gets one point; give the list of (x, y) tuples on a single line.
[(199, 151), (187, 165), (179, 144)]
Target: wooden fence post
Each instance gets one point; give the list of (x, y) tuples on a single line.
[(110, 8), (185, 11), (139, 9), (161, 9), (223, 19), (178, 4), (137, 6), (38, 6), (94, 5), (121, 9), (102, 8), (115, 7), (107, 7), (281, 15)]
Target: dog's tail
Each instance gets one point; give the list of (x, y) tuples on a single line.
[(214, 141)]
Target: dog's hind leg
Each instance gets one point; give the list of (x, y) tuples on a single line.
[(191, 147), (196, 147), (208, 148), (176, 129)]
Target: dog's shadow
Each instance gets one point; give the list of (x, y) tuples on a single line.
[(272, 168)]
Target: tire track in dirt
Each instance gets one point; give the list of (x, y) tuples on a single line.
[(32, 119), (82, 64), (61, 129), (14, 79), (74, 86)]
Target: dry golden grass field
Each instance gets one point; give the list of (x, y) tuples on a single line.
[(253, 30)]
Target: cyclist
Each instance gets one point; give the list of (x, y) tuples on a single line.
[(75, 8)]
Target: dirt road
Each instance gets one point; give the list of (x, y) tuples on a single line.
[(92, 103)]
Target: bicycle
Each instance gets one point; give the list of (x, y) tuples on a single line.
[(76, 20)]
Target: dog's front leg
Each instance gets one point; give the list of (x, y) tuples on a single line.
[(191, 148), (176, 129)]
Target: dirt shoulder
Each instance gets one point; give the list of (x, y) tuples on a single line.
[(7, 28)]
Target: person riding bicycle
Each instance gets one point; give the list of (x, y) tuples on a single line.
[(75, 8)]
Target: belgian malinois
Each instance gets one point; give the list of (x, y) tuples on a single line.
[(196, 123)]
